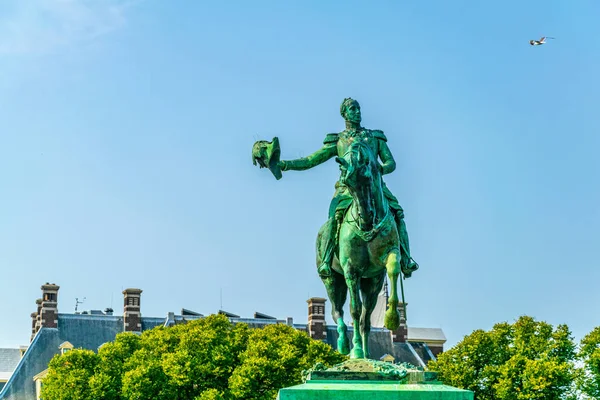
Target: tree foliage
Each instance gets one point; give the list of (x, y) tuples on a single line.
[(69, 376), (208, 359), (106, 382), (524, 360), (589, 354), (275, 358)]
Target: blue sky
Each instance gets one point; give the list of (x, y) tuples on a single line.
[(126, 131)]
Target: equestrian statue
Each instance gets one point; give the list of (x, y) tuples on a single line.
[(365, 236)]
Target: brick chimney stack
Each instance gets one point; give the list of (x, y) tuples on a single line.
[(400, 335), (38, 318), (49, 309), (132, 317), (317, 328), (34, 321)]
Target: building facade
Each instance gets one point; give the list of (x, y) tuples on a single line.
[(55, 333)]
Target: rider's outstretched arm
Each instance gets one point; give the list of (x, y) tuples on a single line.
[(389, 164), (318, 157)]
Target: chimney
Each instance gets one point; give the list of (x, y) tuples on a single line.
[(132, 317), (170, 319), (38, 317), (34, 321), (49, 309), (317, 328), (400, 335)]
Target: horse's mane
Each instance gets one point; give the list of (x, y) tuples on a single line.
[(360, 147)]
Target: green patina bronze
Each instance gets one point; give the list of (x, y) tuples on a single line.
[(365, 235)]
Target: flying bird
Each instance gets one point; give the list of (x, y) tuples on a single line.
[(540, 42)]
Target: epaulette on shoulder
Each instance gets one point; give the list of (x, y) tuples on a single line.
[(331, 138), (379, 134)]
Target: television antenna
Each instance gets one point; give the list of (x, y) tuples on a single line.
[(77, 303)]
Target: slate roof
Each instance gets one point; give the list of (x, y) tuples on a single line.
[(426, 335), (179, 319), (41, 350), (9, 358), (404, 352), (423, 352)]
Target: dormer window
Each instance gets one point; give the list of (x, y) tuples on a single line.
[(387, 358), (65, 347), (39, 383)]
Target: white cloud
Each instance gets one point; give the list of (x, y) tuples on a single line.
[(43, 26)]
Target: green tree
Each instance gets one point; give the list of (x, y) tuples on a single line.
[(185, 360), (106, 383), (69, 376), (275, 358), (206, 359), (525, 360), (589, 354), (144, 375)]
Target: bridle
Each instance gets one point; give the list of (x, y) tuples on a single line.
[(353, 221)]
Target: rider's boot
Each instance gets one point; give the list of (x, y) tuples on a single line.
[(324, 269), (407, 264)]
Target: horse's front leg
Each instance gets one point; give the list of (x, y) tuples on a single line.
[(370, 289), (337, 292), (392, 316), (352, 280)]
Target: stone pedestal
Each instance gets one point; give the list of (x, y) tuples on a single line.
[(372, 380)]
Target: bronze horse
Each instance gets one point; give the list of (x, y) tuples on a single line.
[(368, 249)]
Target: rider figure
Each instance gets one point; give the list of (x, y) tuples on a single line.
[(336, 144)]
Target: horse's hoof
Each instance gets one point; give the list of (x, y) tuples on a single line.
[(343, 345), (392, 319), (357, 353)]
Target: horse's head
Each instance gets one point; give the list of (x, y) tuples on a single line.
[(358, 165)]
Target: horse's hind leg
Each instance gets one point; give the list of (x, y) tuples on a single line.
[(337, 292), (392, 316), (370, 289)]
